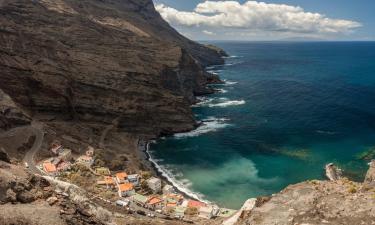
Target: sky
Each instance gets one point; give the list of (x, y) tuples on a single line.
[(265, 20)]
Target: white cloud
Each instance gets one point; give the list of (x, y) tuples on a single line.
[(208, 32), (256, 16)]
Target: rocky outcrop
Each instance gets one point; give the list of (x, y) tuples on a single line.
[(4, 156), (370, 175), (16, 186), (315, 203), (333, 172), (11, 114), (97, 60)]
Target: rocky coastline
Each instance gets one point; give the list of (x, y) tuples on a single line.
[(114, 75)]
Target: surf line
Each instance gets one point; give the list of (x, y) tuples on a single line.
[(168, 176)]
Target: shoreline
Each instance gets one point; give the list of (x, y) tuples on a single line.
[(149, 162), (143, 147)]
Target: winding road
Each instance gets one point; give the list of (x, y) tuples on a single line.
[(37, 129)]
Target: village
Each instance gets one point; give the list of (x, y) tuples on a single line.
[(138, 192)]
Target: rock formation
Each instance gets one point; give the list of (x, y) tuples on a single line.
[(315, 203), (333, 172), (97, 60)]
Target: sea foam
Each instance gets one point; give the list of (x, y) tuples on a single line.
[(181, 185), (211, 124), (228, 103)]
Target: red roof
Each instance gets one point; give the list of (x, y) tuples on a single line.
[(126, 187), (121, 176), (195, 204), (49, 167), (154, 200)]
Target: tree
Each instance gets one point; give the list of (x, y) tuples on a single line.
[(191, 211)]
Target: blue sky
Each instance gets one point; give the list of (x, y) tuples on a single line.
[(271, 20)]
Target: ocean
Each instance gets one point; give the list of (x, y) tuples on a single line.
[(285, 111)]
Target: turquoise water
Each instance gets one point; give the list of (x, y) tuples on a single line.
[(285, 111)]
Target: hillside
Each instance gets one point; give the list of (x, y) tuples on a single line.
[(99, 60)]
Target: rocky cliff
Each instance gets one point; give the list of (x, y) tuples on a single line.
[(98, 60), (315, 203)]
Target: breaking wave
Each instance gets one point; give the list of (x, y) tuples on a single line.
[(182, 186), (227, 82), (218, 102), (228, 103), (220, 90), (211, 124), (232, 57), (233, 63)]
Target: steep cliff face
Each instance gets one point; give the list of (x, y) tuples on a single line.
[(316, 202), (98, 60), (11, 114)]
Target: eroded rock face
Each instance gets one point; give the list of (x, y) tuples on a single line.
[(370, 175), (315, 203), (17, 186), (99, 60), (11, 114)]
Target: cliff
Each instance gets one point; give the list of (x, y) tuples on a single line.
[(316, 202), (98, 60)]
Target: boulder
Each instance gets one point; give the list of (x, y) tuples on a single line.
[(4, 156)]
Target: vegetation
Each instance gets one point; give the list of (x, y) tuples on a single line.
[(352, 190), (191, 211), (146, 175), (144, 187), (107, 194)]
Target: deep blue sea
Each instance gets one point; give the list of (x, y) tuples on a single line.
[(285, 111)]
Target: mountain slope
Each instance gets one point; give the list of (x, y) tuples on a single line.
[(99, 60)]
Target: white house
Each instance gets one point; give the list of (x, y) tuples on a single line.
[(125, 190), (168, 189), (134, 179), (154, 184), (208, 211)]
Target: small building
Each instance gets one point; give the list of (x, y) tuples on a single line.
[(173, 199), (85, 160), (155, 203), (125, 190), (64, 166), (208, 212), (139, 199), (90, 151), (154, 184), (134, 179), (49, 168), (171, 205), (66, 155), (121, 177), (195, 204), (123, 203), (108, 181), (168, 189), (104, 171), (55, 161), (56, 148)]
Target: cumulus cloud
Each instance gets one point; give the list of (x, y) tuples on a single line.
[(253, 15), (208, 32)]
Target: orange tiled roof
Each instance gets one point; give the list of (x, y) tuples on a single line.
[(49, 167), (195, 204), (171, 204), (122, 176), (126, 187), (154, 200), (109, 180)]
